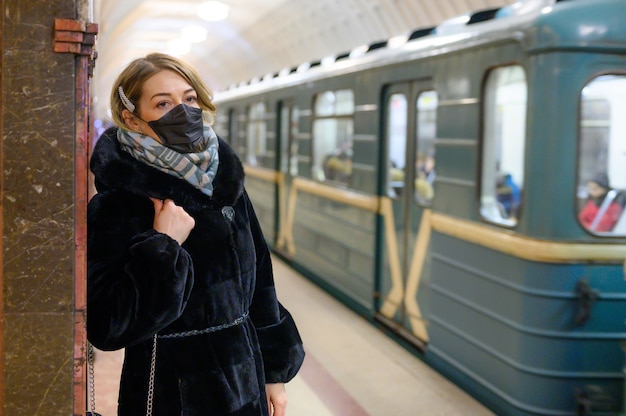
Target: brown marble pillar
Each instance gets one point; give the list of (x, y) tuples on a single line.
[(41, 158)]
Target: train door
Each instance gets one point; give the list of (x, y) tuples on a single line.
[(409, 166), (287, 161)]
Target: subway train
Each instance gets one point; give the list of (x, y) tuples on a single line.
[(462, 188)]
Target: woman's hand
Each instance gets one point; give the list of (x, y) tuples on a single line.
[(172, 220), (276, 399)]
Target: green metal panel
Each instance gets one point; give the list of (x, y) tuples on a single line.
[(601, 29)]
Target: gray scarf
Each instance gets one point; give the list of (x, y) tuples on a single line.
[(198, 169)]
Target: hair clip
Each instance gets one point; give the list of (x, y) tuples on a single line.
[(129, 106)]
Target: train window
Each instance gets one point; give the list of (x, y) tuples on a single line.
[(601, 189), (504, 136), (334, 103), (426, 134), (256, 146), (396, 132), (333, 129)]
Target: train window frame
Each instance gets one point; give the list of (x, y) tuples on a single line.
[(505, 112), (600, 144), (333, 137), (256, 133)]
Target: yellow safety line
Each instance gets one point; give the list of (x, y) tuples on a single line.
[(286, 238), (393, 299), (282, 201), (415, 273), (278, 178), (266, 174), (355, 199), (525, 247)]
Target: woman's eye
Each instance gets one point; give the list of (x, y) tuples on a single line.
[(191, 99), (162, 104)]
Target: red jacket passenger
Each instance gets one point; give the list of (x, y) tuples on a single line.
[(598, 190)]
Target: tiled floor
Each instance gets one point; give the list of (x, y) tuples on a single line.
[(351, 368)]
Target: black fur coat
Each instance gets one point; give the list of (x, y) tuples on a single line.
[(142, 282)]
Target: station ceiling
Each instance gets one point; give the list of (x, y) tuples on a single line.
[(258, 36)]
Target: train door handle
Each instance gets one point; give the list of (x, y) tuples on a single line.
[(583, 404), (586, 298)]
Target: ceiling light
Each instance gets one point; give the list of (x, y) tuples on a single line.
[(213, 11), (328, 60), (397, 41), (358, 51), (194, 33)]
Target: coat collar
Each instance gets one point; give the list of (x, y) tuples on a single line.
[(115, 169)]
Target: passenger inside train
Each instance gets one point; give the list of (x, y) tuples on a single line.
[(424, 178), (604, 207), (338, 164), (426, 168), (508, 195)]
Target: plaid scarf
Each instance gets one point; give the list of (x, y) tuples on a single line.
[(198, 169)]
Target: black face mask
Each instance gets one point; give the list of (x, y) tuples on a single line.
[(181, 129)]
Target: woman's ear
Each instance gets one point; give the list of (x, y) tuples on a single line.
[(130, 121)]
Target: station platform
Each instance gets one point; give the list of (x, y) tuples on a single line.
[(351, 368)]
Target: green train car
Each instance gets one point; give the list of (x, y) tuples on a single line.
[(464, 188)]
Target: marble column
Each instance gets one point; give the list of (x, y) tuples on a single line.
[(38, 155)]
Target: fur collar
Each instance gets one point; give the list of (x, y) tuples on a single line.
[(115, 169)]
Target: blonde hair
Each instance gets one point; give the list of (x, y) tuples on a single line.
[(133, 77)]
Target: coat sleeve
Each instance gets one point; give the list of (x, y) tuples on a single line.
[(138, 280), (278, 335)]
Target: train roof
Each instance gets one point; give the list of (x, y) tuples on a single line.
[(540, 25)]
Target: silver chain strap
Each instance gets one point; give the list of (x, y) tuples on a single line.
[(193, 332), (151, 380), (216, 328), (91, 377)]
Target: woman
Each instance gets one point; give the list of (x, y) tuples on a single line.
[(597, 215), (178, 270)]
